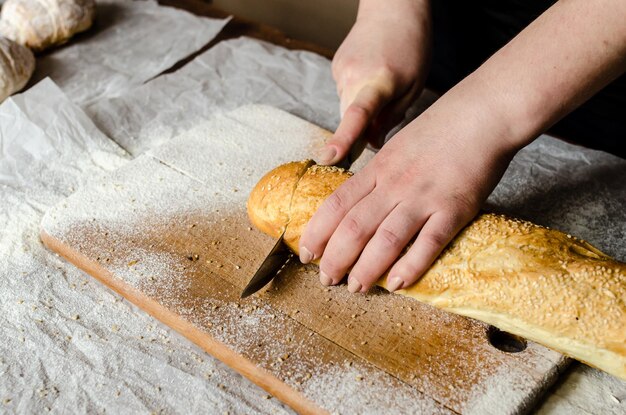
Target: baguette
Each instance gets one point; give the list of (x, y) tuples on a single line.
[(535, 282)]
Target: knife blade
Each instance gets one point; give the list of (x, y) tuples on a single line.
[(276, 260), (280, 254)]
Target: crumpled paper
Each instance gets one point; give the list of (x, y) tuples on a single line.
[(68, 344), (42, 368), (570, 188), (550, 182), (230, 74), (577, 190), (38, 150), (129, 43)]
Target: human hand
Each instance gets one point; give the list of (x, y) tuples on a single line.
[(432, 177), (427, 183), (376, 80)]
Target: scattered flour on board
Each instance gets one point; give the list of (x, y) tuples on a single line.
[(193, 186), (156, 186), (68, 343)]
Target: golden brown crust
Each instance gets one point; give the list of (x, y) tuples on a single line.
[(17, 65), (313, 188), (551, 287), (520, 277), (39, 24), (270, 200)]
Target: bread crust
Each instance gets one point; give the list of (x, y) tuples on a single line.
[(40, 24), (17, 65), (269, 202), (523, 278)]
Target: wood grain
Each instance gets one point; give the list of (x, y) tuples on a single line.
[(313, 347)]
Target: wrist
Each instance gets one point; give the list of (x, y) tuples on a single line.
[(472, 117), (517, 115)]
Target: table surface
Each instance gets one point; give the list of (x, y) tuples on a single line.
[(580, 389), (240, 27)]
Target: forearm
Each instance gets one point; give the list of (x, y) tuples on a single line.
[(555, 64), (399, 24), (376, 9), (378, 69)]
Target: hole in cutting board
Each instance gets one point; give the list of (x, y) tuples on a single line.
[(506, 342)]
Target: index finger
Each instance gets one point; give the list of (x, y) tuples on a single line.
[(325, 221), (356, 118)]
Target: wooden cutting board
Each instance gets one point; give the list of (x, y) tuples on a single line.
[(170, 233)]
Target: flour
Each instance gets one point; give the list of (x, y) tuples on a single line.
[(582, 389), (132, 222), (360, 387), (40, 368), (68, 343), (166, 191), (495, 398)]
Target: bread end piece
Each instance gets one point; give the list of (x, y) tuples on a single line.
[(270, 200), (317, 183)]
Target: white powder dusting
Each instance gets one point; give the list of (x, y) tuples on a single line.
[(347, 387), (237, 140), (582, 389), (68, 343), (550, 182), (501, 392), (51, 306), (149, 196), (120, 221)]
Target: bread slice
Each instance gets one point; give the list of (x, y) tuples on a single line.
[(523, 278)]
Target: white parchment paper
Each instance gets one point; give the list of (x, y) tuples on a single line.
[(550, 182), (70, 345), (553, 183), (67, 343), (230, 74), (129, 43)]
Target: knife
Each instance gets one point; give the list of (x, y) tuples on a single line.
[(280, 254), (275, 261)]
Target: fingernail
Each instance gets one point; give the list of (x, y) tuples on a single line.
[(328, 154), (394, 283), (305, 255), (325, 279), (353, 285)]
